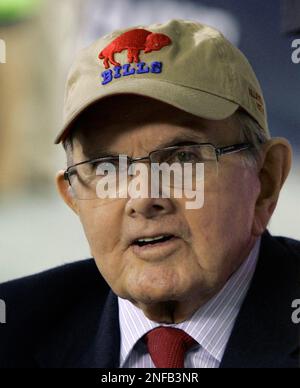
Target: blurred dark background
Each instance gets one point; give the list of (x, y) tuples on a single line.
[(263, 26), (290, 15)]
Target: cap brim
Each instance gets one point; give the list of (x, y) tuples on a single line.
[(194, 101)]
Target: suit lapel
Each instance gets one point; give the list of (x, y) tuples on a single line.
[(105, 350), (88, 338), (264, 335)]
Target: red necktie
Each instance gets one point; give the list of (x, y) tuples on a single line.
[(167, 346)]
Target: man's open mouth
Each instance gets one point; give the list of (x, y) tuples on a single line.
[(152, 240)]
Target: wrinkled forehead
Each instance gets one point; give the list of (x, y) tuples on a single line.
[(103, 123)]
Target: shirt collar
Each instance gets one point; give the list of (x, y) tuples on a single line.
[(211, 325)]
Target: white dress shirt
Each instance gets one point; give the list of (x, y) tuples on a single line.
[(211, 325)]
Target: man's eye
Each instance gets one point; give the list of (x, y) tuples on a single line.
[(181, 156), (103, 168), (91, 167)]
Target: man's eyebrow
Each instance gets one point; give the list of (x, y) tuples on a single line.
[(99, 153), (183, 138)]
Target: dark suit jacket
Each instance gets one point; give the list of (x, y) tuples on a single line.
[(68, 316)]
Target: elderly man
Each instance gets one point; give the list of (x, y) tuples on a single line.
[(173, 282)]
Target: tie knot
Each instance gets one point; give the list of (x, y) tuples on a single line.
[(167, 346)]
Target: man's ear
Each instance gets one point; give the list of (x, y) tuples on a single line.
[(274, 167), (65, 191)]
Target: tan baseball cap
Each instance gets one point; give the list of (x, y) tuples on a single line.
[(183, 63)]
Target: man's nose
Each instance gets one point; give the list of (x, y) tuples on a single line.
[(149, 207)]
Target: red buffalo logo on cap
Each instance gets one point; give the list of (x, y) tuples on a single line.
[(134, 41)]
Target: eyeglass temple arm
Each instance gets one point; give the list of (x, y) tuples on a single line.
[(233, 148)]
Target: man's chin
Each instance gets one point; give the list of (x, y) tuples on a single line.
[(159, 310), (156, 296), (166, 311)]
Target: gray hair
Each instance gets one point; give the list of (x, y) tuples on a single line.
[(250, 132), (68, 147)]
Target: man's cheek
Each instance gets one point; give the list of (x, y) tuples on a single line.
[(95, 235)]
